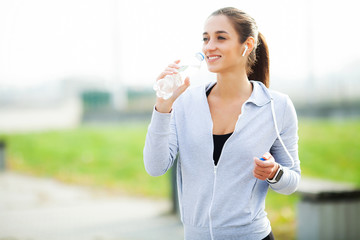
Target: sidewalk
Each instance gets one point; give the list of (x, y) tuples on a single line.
[(45, 209)]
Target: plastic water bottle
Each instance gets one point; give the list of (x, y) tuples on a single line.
[(166, 86)]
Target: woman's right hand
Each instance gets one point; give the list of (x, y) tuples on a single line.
[(165, 106)]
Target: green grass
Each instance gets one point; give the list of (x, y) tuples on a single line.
[(108, 157), (331, 150), (111, 157)]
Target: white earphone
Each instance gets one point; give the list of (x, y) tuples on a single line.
[(246, 48)]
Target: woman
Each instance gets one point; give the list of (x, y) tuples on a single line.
[(220, 130)]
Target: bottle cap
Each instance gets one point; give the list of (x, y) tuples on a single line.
[(200, 56)]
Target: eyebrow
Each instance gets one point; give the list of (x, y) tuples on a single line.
[(217, 32)]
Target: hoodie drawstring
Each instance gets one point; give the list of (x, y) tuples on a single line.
[(277, 131)]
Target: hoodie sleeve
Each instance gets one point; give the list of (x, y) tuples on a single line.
[(289, 134), (161, 146)]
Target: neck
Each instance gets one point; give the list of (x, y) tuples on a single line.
[(233, 85)]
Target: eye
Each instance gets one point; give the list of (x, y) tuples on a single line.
[(221, 38), (205, 39)]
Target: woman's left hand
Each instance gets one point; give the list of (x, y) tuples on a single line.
[(265, 169)]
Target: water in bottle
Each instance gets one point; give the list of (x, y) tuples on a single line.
[(166, 86)]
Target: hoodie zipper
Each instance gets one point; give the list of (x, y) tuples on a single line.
[(215, 174), (211, 203)]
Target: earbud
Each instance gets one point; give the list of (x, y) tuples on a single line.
[(246, 48)]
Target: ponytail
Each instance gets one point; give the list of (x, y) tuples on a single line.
[(260, 68)]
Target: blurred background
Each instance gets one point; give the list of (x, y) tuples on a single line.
[(76, 98)]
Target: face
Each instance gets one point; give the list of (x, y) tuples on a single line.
[(222, 48)]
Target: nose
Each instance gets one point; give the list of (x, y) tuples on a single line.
[(209, 46)]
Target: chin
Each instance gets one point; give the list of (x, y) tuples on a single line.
[(214, 69)]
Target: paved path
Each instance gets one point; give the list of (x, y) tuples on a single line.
[(45, 209)]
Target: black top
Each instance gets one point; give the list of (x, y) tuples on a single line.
[(219, 140)]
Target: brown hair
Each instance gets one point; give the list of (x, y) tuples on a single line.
[(258, 60)]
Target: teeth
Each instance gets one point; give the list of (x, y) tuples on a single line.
[(211, 58)]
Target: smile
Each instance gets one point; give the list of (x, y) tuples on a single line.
[(213, 57)]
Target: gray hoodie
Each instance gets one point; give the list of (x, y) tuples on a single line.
[(224, 201)]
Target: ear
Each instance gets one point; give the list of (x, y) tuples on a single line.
[(250, 43)]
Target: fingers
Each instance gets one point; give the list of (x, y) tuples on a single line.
[(260, 176), (264, 169), (268, 162), (170, 70), (262, 173), (267, 155), (182, 88)]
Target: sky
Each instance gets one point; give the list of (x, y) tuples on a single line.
[(131, 42)]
